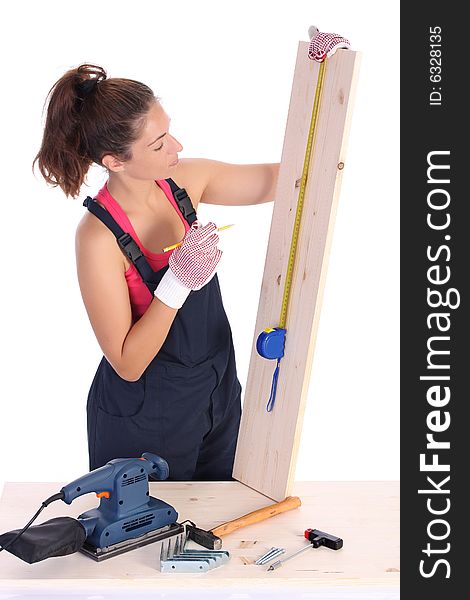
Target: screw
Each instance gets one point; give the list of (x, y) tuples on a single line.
[(269, 555)]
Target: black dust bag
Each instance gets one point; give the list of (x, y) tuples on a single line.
[(56, 537)]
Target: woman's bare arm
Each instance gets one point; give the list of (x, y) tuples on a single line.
[(100, 268)]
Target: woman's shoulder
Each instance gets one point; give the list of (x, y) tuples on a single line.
[(93, 237), (192, 175), (89, 227)]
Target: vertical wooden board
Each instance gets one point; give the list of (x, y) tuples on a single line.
[(268, 442)]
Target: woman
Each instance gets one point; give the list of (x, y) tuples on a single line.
[(167, 382)]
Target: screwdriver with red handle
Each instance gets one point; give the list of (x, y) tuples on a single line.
[(316, 538)]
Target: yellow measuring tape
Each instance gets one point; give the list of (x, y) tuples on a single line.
[(300, 202), (270, 342)]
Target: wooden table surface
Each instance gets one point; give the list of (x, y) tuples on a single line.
[(364, 514)]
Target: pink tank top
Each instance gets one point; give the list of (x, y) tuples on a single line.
[(139, 294)]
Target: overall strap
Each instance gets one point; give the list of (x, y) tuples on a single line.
[(125, 241), (184, 202)]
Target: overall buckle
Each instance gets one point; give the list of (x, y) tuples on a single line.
[(129, 247), (184, 202)]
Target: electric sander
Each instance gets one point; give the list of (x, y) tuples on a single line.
[(126, 518)]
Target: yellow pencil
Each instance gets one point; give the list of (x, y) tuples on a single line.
[(179, 243)]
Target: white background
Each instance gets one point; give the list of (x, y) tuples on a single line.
[(224, 74)]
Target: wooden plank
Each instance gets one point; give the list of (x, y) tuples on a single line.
[(268, 442)]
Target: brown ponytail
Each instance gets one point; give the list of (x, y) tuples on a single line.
[(89, 116)]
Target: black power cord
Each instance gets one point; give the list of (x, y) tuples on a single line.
[(59, 496)]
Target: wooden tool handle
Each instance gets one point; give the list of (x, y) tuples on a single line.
[(258, 515)]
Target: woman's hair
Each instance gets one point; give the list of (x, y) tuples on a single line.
[(89, 116)]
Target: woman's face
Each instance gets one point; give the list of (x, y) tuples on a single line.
[(155, 153)]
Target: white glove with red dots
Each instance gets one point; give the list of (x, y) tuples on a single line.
[(323, 45), (191, 266)]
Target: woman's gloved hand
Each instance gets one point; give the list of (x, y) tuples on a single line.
[(191, 266), (324, 45)]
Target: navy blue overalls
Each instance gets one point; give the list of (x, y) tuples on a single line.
[(186, 406)]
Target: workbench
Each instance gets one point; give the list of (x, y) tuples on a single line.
[(364, 514)]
